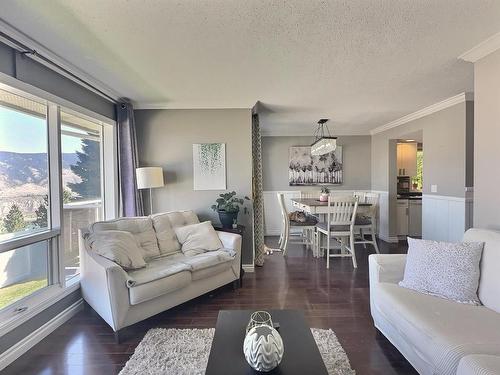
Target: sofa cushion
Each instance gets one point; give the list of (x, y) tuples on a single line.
[(489, 281), (164, 225), (147, 291), (479, 364), (210, 263), (441, 331), (118, 246), (140, 227), (198, 238), (157, 269)]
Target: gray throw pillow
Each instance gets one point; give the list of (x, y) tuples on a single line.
[(443, 269), (118, 246)]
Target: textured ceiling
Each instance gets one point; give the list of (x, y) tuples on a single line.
[(361, 63)]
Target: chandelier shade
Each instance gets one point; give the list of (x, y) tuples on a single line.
[(324, 145)]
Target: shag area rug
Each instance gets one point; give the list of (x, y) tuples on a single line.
[(185, 352)]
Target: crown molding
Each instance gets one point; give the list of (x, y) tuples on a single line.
[(44, 51), (482, 49), (460, 98)]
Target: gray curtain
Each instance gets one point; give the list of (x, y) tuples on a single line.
[(257, 194), (130, 197)]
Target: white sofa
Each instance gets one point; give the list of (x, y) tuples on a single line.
[(170, 278), (433, 333)]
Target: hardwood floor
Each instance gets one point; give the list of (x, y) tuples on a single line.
[(337, 298)]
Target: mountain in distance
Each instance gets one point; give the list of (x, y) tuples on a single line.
[(18, 169)]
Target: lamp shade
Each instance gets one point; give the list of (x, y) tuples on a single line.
[(149, 177)]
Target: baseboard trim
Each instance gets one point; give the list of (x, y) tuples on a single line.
[(389, 239), (248, 268), (18, 349)]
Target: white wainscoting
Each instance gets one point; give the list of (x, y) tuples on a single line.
[(445, 218), (383, 217), (272, 212)]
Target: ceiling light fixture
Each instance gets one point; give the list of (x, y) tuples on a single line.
[(323, 144)]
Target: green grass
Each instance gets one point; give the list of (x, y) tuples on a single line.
[(14, 292)]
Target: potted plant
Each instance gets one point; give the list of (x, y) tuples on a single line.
[(228, 206), (325, 192)]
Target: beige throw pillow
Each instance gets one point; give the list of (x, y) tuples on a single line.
[(198, 238), (118, 246)]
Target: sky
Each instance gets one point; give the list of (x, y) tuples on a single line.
[(23, 133)]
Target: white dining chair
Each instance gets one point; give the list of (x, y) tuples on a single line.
[(361, 195), (340, 227), (366, 221), (287, 224)]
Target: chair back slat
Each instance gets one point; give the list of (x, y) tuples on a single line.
[(284, 211), (373, 199), (342, 210)]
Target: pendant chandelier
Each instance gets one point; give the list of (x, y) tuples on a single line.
[(324, 143)]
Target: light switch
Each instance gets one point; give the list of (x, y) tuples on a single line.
[(434, 188)]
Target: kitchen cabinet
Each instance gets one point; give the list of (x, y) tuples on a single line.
[(407, 159), (415, 218), (402, 217)]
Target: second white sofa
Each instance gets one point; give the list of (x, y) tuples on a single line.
[(433, 333)]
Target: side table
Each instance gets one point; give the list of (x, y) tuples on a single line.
[(239, 230)]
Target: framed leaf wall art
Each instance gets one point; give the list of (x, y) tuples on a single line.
[(209, 166)]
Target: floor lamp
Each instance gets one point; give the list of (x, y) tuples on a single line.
[(149, 178)]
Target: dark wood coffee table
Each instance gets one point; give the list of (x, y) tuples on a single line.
[(301, 354)]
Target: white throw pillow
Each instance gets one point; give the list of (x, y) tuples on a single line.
[(118, 246), (443, 269), (198, 238)]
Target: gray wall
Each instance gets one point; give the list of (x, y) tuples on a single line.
[(444, 135), (29, 71), (166, 137), (356, 157), (487, 142), (446, 154)]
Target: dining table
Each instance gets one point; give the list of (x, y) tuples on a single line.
[(314, 206)]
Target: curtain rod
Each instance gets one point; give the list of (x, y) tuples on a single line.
[(27, 51)]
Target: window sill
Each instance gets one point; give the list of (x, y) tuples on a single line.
[(35, 305)]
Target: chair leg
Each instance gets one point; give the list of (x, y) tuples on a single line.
[(362, 236), (285, 240), (353, 252), (327, 251), (374, 239)]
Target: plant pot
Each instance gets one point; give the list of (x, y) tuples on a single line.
[(227, 218), (323, 197)]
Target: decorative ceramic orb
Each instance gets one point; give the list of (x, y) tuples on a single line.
[(263, 348)]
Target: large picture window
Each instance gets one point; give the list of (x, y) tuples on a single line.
[(54, 179)]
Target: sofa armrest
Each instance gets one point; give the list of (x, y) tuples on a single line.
[(386, 268), (104, 286), (232, 241)]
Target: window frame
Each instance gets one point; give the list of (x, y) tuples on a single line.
[(58, 286)]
